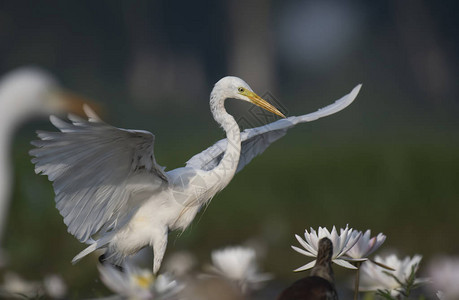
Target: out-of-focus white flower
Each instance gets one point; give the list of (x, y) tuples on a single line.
[(135, 283), (341, 244), (374, 277), (15, 286), (365, 245), (180, 263), (440, 295), (166, 286), (55, 286), (239, 264), (444, 275)]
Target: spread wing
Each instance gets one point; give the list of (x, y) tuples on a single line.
[(255, 141), (93, 166)]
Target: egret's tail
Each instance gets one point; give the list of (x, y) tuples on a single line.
[(93, 247)]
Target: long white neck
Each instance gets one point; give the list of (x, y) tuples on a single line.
[(14, 111), (226, 169)]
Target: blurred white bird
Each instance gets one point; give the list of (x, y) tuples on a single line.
[(112, 193), (25, 93)]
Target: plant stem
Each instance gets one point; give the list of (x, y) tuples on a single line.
[(357, 279)]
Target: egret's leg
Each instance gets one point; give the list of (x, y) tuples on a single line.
[(159, 248)]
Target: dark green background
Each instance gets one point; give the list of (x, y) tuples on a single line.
[(389, 162)]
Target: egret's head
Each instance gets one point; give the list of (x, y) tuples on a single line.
[(30, 91), (236, 88)]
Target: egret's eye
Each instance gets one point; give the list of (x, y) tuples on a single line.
[(241, 90)]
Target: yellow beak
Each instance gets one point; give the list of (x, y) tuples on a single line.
[(257, 100)]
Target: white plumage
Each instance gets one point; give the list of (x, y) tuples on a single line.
[(112, 193)]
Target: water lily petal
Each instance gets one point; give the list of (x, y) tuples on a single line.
[(344, 263), (306, 245), (307, 236), (353, 259), (379, 240), (336, 241), (302, 251), (306, 266), (351, 242), (314, 238)]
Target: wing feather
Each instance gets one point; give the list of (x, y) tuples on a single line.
[(92, 165), (255, 141)]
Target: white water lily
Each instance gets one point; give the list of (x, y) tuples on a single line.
[(134, 283), (374, 277), (440, 295), (14, 286), (444, 274), (180, 263), (55, 286), (341, 244), (239, 264), (365, 245)]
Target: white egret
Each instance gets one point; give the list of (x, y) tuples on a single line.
[(112, 193), (25, 93)]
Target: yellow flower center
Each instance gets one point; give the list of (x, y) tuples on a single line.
[(144, 281)]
